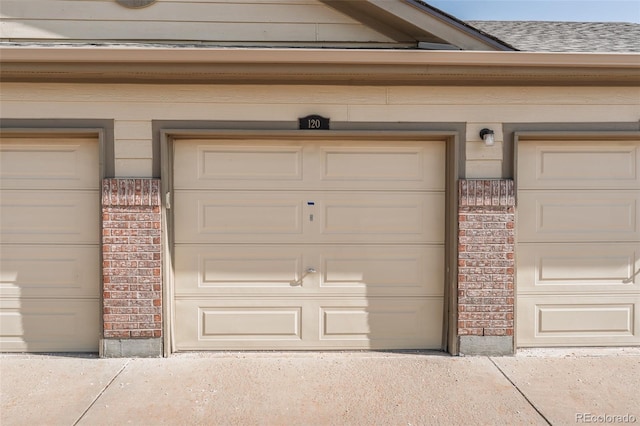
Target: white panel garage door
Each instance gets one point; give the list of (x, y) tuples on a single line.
[(308, 245), (578, 252), (49, 251)]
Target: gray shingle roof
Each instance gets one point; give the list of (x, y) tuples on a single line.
[(565, 36)]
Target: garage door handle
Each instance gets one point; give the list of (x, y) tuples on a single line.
[(307, 272)]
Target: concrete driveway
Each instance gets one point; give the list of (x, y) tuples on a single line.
[(336, 388)]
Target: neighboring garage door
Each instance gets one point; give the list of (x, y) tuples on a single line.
[(308, 245), (578, 251), (49, 251)]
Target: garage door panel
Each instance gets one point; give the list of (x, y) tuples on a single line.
[(382, 217), (49, 217), (220, 269), (256, 271), (309, 324), (37, 163), (49, 271), (245, 322), (211, 270), (579, 165), (239, 323), (239, 164), (578, 268), (233, 217), (294, 217), (43, 325), (575, 320), (578, 216), (250, 217), (402, 165), (391, 323), (383, 270), (336, 165)]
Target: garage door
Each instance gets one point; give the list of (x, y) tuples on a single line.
[(308, 245), (578, 252), (49, 251)]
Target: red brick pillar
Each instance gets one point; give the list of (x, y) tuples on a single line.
[(131, 268), (486, 233)]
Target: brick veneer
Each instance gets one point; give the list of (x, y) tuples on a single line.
[(132, 290), (486, 233), (131, 258)]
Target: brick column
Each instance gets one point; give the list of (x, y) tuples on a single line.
[(131, 268), (486, 233)]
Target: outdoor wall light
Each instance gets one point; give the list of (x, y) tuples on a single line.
[(487, 137)]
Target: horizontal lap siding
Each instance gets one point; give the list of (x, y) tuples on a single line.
[(109, 10), (133, 107), (182, 21), (337, 112), (176, 31), (300, 94)]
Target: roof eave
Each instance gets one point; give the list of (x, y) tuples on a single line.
[(464, 27), (417, 20), (301, 66)]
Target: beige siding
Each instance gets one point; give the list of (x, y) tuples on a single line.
[(134, 107), (483, 161), (488, 113), (132, 148), (206, 21)]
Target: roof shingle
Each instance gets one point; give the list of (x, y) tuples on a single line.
[(537, 36)]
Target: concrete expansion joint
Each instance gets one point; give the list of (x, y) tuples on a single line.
[(102, 391), (515, 386)]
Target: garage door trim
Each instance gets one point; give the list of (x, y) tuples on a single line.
[(169, 136)]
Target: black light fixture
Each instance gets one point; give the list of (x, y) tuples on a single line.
[(487, 136)]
